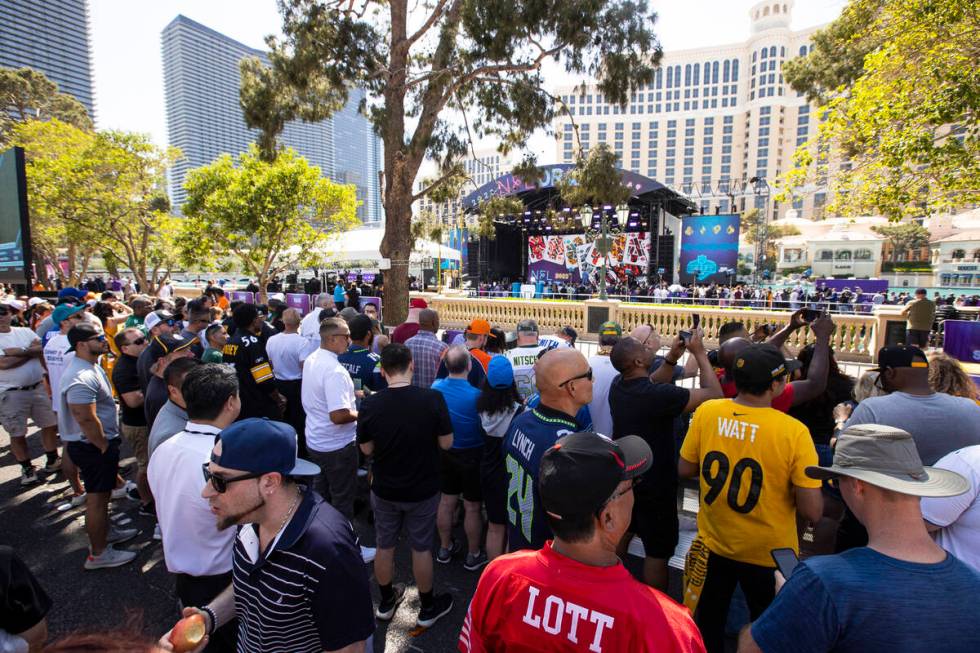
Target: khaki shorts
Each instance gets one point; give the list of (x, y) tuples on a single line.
[(137, 437), (17, 406)]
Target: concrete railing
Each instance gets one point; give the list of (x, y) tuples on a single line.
[(857, 337)]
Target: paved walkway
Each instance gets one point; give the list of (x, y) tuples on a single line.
[(53, 544)]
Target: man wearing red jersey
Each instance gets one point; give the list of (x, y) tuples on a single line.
[(575, 594)]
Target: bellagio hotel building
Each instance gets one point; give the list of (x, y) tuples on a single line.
[(711, 120)]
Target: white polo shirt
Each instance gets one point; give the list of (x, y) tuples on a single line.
[(327, 387), (286, 352), (192, 543)]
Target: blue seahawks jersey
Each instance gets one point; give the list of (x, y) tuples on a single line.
[(365, 366), (530, 434), (583, 416)]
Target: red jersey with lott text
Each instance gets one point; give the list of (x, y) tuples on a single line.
[(544, 602)]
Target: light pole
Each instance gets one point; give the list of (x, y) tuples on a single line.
[(761, 188), (603, 244)]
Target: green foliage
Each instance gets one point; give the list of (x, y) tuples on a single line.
[(904, 237), (98, 193), (754, 229), (269, 217), (481, 61), (27, 94), (906, 266), (900, 88), (496, 208), (595, 180)]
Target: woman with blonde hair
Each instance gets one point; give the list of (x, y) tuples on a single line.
[(947, 375)]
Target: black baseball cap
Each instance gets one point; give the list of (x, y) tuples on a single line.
[(901, 356), (762, 364), (167, 344), (581, 471), (81, 333)]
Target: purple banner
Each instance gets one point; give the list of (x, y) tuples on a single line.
[(366, 277), (867, 286), (961, 340), (371, 300), (242, 296), (301, 302)]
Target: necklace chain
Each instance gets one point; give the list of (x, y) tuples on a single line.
[(289, 512)]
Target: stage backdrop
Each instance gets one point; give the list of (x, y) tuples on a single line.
[(572, 258), (709, 248)]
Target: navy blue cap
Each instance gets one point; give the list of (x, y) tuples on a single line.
[(261, 445)]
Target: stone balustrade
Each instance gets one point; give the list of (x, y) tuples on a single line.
[(857, 337)]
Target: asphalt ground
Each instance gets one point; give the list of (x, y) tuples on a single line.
[(140, 596)]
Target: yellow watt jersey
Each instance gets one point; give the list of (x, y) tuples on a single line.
[(750, 460)]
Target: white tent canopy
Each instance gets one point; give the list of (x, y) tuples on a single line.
[(365, 245)]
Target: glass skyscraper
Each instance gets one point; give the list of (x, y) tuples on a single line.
[(204, 117), (50, 37)]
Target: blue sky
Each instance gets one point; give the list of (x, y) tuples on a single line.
[(129, 70)]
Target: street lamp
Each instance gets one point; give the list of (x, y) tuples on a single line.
[(603, 243)]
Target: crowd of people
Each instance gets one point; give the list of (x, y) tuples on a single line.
[(745, 295), (253, 427)]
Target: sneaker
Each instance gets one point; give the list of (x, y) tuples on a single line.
[(109, 558), (117, 535), (53, 467), (123, 491), (442, 604), (157, 535), (133, 493), (28, 476), (77, 500), (148, 509), (386, 609), (475, 560), (368, 553), (445, 555)]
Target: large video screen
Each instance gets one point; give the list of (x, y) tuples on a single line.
[(574, 258), (14, 231), (709, 248)]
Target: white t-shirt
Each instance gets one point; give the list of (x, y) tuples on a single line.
[(603, 374), (959, 516), (286, 352), (327, 387), (30, 372), (57, 357), (192, 543), (523, 358), (309, 327), (553, 342)]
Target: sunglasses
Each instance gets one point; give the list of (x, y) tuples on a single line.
[(586, 375), (616, 495), (220, 483), (3, 312), (170, 322), (138, 341), (97, 338)]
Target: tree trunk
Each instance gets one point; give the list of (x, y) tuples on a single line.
[(397, 247)]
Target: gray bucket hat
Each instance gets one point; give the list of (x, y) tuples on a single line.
[(886, 457)]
